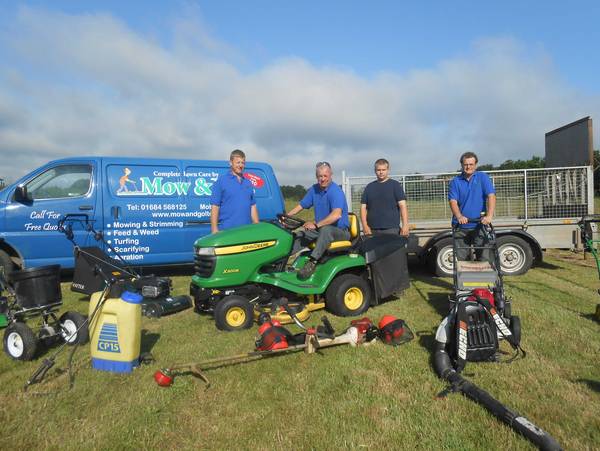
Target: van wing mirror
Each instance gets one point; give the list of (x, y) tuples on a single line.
[(21, 194)]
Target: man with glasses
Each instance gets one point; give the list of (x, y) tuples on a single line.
[(331, 218), (470, 194)]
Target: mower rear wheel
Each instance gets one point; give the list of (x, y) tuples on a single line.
[(233, 313), (515, 329), (72, 328), (348, 295), (19, 342)]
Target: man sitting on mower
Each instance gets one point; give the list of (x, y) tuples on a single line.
[(331, 218)]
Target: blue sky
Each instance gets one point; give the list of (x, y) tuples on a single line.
[(294, 82)]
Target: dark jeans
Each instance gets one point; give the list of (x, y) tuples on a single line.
[(464, 238), (324, 237)]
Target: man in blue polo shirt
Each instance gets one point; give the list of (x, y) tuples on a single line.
[(232, 199), (470, 194), (331, 218)]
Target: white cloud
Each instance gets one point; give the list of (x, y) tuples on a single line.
[(89, 84)]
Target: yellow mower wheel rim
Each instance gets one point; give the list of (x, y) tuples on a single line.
[(235, 317), (353, 298)]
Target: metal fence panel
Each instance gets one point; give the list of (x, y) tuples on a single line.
[(521, 194)]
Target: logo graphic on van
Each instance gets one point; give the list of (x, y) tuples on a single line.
[(124, 180), (256, 181)]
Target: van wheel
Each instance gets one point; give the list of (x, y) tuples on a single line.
[(233, 313), (6, 263), (348, 295), (19, 342), (441, 258), (516, 256)]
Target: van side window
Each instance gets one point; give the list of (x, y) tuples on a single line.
[(61, 182)]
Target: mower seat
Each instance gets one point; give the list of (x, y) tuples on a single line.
[(354, 229)]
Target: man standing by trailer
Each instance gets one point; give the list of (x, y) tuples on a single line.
[(383, 204), (331, 218), (232, 199), (471, 195)]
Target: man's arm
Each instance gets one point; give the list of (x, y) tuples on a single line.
[(254, 214), (404, 230), (294, 211), (491, 207), (332, 217), (363, 219), (456, 212), (214, 218)]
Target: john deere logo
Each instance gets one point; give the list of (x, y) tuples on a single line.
[(244, 248), (109, 338), (230, 270)]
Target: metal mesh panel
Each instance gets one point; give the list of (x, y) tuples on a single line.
[(520, 194)]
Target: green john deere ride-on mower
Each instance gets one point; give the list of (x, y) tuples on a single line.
[(249, 271)]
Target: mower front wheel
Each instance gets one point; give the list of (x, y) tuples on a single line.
[(233, 313), (72, 328), (348, 295), (19, 342)]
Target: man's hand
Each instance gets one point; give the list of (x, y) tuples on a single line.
[(367, 230), (310, 225), (487, 219), (462, 219), (404, 230)]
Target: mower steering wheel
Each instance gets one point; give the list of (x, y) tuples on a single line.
[(289, 222)]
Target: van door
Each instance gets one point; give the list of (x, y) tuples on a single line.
[(58, 189), (142, 199)]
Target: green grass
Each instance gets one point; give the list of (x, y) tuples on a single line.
[(374, 397)]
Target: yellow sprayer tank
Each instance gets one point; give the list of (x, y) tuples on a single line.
[(115, 332)]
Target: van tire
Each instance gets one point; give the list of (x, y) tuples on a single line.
[(6, 263), (516, 256)]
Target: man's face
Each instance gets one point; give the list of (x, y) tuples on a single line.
[(469, 165), (324, 176), (237, 165), (381, 171)]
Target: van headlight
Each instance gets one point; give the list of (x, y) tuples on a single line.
[(205, 251)]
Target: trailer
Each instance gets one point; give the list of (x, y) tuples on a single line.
[(536, 209)]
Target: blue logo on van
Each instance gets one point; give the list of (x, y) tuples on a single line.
[(109, 338)]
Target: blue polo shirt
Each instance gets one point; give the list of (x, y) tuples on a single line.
[(325, 201), (234, 199), (471, 195)]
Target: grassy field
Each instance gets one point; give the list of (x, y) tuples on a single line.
[(375, 397)]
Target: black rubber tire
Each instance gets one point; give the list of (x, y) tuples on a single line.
[(515, 328), (233, 313), (6, 263), (153, 310), (71, 323), (338, 291), (19, 342), (512, 248), (442, 250)]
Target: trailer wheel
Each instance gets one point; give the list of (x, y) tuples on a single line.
[(19, 342), (348, 295), (516, 256), (441, 258), (73, 328), (6, 263), (233, 313)]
